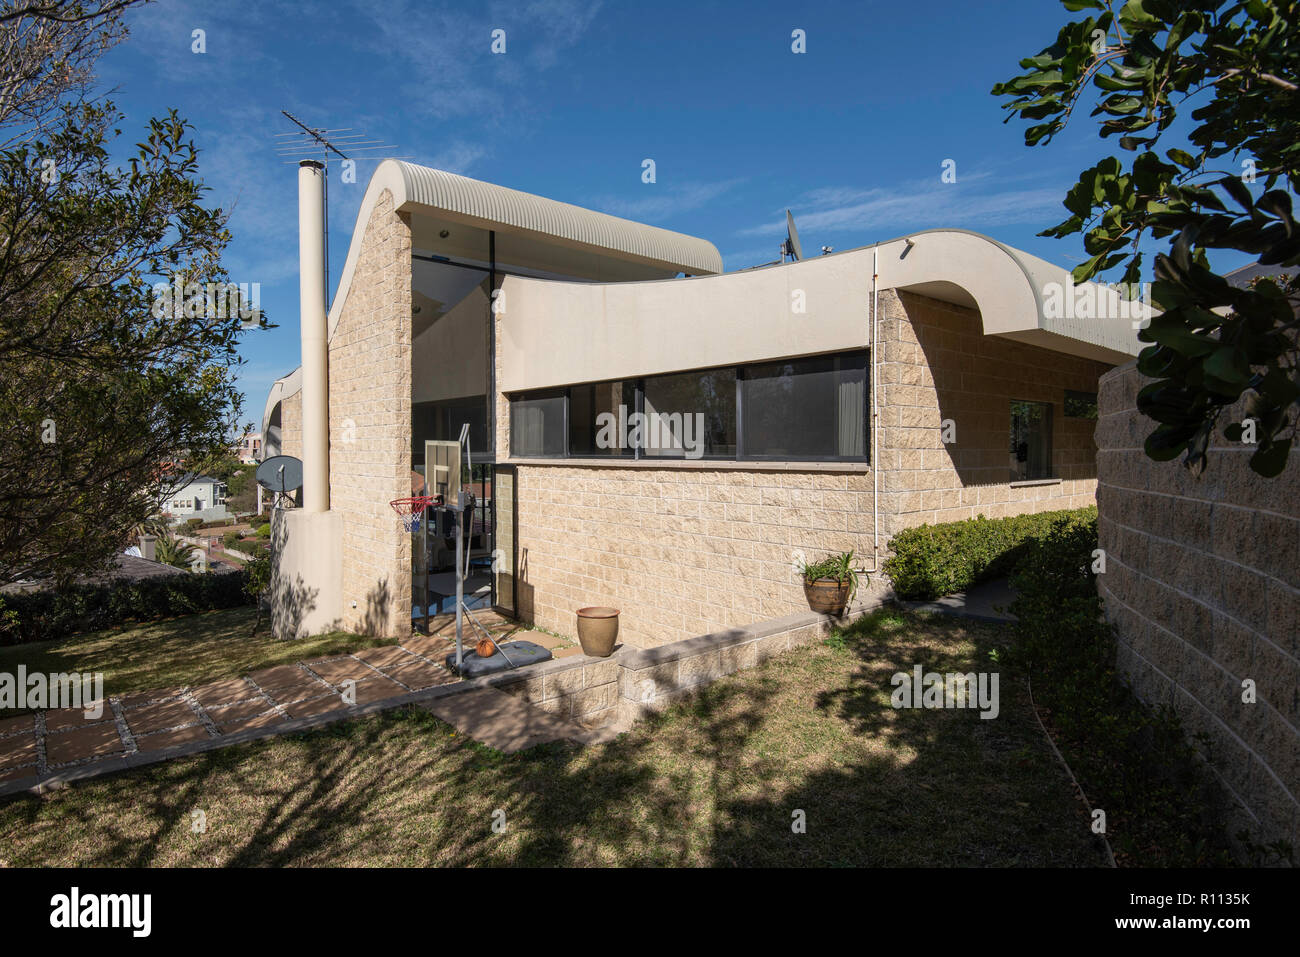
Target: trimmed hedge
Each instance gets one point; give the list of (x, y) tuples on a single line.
[(931, 561), (53, 613), (252, 547)]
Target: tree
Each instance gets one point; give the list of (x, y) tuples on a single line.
[(1235, 66), (105, 376), (171, 550)]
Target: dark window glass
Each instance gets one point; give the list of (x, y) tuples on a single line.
[(600, 417), (805, 408), (690, 415), (1031, 440), (1080, 405), (442, 421), (537, 426)]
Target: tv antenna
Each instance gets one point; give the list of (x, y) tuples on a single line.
[(791, 247), (302, 143)]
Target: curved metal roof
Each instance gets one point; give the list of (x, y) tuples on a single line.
[(495, 206)]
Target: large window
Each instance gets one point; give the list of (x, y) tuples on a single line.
[(1031, 440), (805, 408), (690, 415), (537, 425), (598, 418), (798, 409)]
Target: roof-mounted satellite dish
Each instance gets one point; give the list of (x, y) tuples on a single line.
[(791, 246), (280, 473)]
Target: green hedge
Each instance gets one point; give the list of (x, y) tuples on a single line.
[(61, 612), (253, 547), (931, 561), (1136, 763)]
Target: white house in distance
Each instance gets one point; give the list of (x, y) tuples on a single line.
[(196, 496)]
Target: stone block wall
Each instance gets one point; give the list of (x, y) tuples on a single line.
[(936, 363), (370, 427), (291, 425), (680, 551), (1202, 584)]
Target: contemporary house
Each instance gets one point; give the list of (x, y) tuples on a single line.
[(196, 496), (650, 432)]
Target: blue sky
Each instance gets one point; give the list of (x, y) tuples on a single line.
[(851, 135)]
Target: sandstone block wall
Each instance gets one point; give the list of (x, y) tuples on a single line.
[(1202, 584), (936, 364), (370, 427)]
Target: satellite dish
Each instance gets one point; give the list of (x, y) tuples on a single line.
[(791, 247), (280, 473)]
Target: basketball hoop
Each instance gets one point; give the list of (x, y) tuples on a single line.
[(411, 510)]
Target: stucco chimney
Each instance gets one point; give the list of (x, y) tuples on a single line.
[(149, 547), (315, 353)]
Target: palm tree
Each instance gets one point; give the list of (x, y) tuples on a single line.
[(172, 551)]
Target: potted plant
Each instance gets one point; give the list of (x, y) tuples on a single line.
[(829, 584)]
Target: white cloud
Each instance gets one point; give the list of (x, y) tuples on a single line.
[(663, 202), (920, 203)]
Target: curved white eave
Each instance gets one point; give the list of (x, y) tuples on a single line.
[(1011, 289), (489, 206), (281, 389)]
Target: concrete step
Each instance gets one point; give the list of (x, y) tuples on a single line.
[(502, 721)]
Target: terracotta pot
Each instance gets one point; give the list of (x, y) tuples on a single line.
[(485, 648), (827, 596), (597, 629)]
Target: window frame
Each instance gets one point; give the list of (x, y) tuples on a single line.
[(638, 454), (1051, 438)]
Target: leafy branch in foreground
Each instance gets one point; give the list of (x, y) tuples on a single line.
[(1233, 69)]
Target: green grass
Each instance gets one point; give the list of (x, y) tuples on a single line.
[(191, 650), (712, 781)]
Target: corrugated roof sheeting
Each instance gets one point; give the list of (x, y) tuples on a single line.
[(502, 206)]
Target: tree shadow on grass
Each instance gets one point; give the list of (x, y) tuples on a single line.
[(715, 780)]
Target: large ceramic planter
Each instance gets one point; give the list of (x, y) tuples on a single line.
[(827, 596), (597, 629)]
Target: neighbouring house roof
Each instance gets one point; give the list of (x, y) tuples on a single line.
[(193, 478), (124, 568), (1241, 277)]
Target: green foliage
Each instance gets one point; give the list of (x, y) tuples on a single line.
[(835, 567), (1137, 764), (53, 613), (263, 531), (230, 539), (1238, 64), (172, 551), (257, 577), (931, 561), (251, 547), (99, 386)]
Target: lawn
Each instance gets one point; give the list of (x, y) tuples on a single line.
[(193, 650), (716, 780)]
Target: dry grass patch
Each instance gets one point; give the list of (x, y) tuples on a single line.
[(712, 781), (191, 650)]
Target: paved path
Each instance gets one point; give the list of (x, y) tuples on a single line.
[(142, 727), (983, 602)]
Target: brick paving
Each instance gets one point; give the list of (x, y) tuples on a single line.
[(48, 743)]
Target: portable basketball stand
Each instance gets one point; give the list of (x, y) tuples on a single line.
[(415, 513)]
